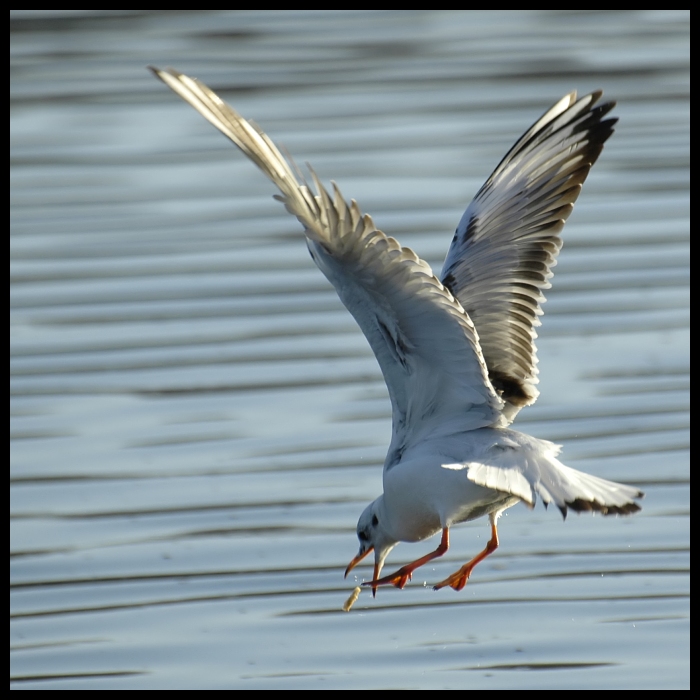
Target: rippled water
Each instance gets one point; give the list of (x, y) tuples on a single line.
[(195, 420)]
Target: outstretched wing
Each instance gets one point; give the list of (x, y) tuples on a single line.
[(425, 344), (507, 242)]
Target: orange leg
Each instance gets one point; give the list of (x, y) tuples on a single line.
[(459, 579), (405, 573)]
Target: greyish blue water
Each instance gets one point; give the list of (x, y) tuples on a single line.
[(196, 422)]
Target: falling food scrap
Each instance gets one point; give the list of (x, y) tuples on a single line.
[(352, 599)]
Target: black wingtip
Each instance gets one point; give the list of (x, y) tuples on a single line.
[(580, 506)]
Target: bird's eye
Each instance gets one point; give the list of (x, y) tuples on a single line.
[(375, 521)]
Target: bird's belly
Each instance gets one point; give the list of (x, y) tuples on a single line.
[(464, 500), (423, 500), (494, 501)]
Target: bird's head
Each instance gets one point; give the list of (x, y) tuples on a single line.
[(373, 538)]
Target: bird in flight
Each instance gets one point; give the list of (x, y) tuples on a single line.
[(456, 350)]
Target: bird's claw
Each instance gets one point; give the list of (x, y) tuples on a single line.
[(456, 581), (398, 579)]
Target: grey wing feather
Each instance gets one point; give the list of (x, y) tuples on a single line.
[(507, 242), (425, 344)]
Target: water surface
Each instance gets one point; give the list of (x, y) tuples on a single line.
[(196, 422)]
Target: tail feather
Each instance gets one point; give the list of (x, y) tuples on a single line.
[(533, 470)]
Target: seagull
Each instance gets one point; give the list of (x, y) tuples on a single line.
[(457, 350)]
